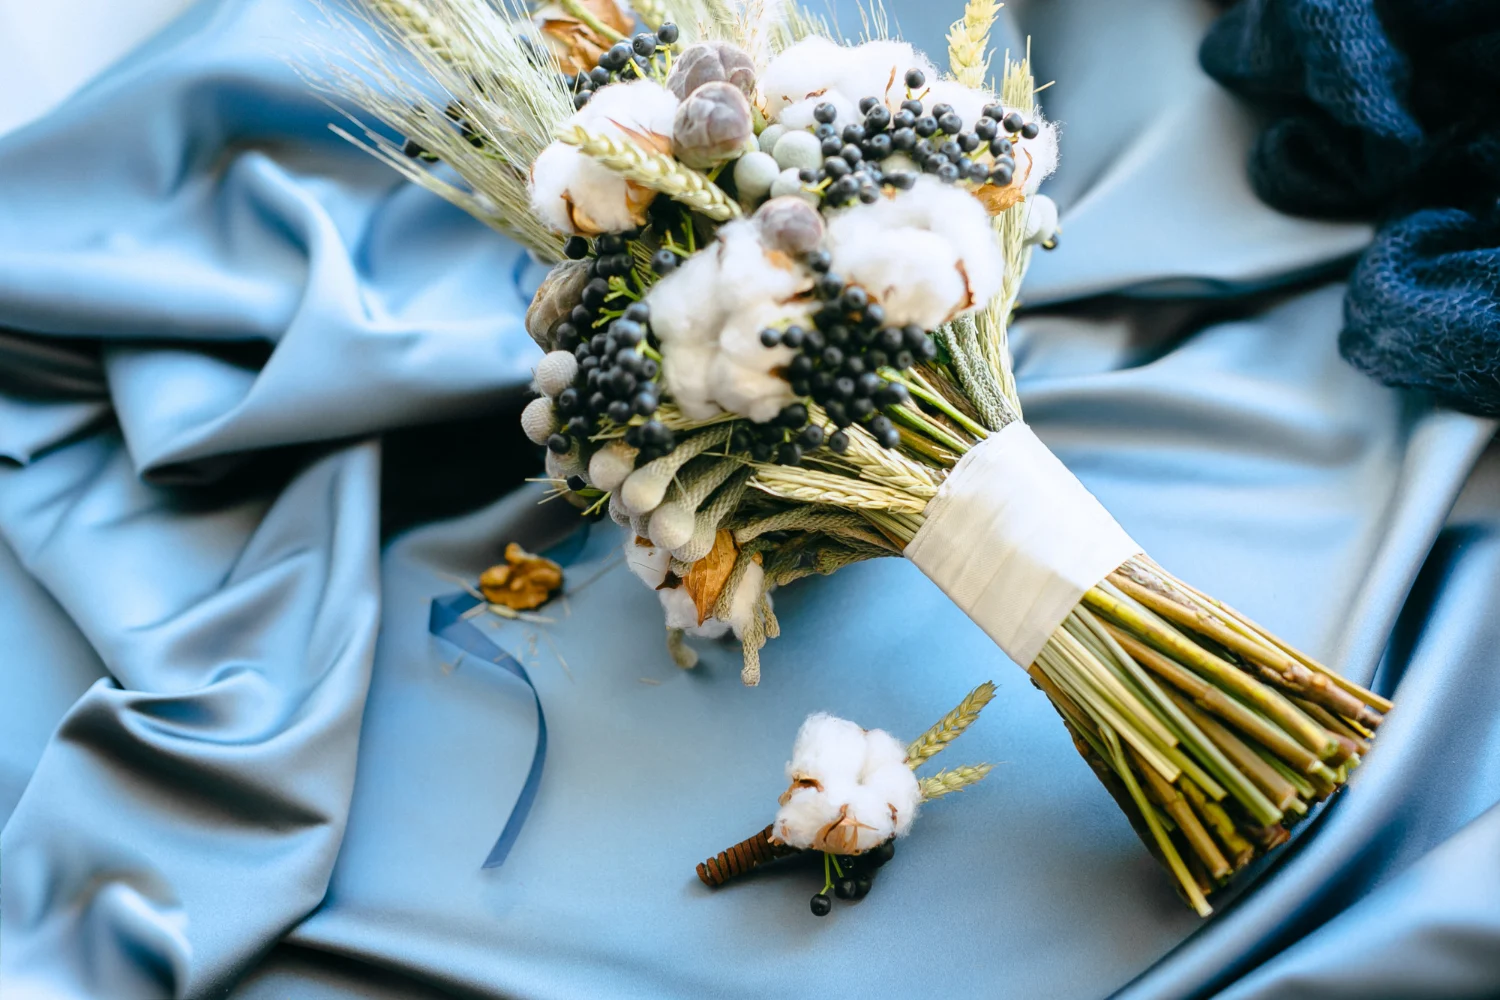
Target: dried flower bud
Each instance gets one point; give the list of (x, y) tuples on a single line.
[(560, 291), (713, 125), (522, 582), (790, 224), (710, 62)]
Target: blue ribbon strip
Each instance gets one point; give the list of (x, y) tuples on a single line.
[(447, 622)]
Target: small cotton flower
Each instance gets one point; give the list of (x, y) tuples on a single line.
[(712, 126), (681, 612), (926, 254), (574, 194), (800, 115), (711, 62), (648, 562), (878, 69), (684, 306), (850, 789)]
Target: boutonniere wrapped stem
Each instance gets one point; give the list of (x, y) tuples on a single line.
[(851, 793)]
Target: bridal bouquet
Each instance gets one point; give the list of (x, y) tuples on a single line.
[(775, 338)]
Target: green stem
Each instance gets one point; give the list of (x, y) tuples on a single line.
[(918, 421), (935, 401), (576, 9)]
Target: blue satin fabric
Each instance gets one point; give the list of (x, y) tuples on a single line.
[(233, 759)]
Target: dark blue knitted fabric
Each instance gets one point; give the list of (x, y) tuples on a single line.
[(1388, 111)]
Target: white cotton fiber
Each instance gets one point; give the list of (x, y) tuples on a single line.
[(573, 194), (750, 392), (878, 69), (746, 596), (1041, 219), (640, 105), (687, 371), (1042, 152), (807, 69), (646, 561), (555, 372), (539, 420), (967, 102), (684, 304), (850, 789)]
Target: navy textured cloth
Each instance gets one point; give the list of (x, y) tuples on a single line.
[(1388, 111)]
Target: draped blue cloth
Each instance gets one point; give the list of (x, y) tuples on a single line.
[(257, 407)]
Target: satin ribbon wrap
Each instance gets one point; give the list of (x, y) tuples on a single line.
[(447, 622), (1015, 540)]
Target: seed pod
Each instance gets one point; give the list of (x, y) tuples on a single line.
[(790, 224), (539, 420), (560, 291), (710, 62), (555, 372), (712, 125)]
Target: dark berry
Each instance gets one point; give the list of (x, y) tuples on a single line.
[(815, 341), (832, 356), (903, 138), (1013, 122), (862, 886), (947, 172), (819, 260), (836, 167), (978, 172), (877, 118), (844, 888), (664, 262), (1001, 175), (842, 190), (667, 33), (581, 317), (913, 105), (874, 316), (558, 444), (825, 130), (598, 403), (619, 411), (649, 368), (878, 147), (825, 113), (638, 312), (868, 384), (789, 453), (866, 103), (993, 111), (967, 141), (854, 365), (901, 179), (616, 56), (581, 98), (1030, 130), (951, 149), (902, 360), (627, 332), (838, 442), (951, 123), (829, 285), (770, 336), (644, 44), (904, 118), (567, 400), (986, 129), (1001, 147), (791, 337), (853, 133), (792, 415), (609, 243), (654, 432), (578, 426), (821, 905), (837, 334), (576, 248), (893, 394), (844, 387), (598, 76), (879, 855), (915, 78), (576, 483), (644, 403), (928, 350), (837, 413), (831, 146), (851, 154), (925, 126), (855, 298), (861, 408), (413, 149), (800, 367)]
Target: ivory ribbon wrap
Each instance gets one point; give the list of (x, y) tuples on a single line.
[(1016, 541)]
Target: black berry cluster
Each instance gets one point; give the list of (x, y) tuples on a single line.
[(934, 138), (858, 876), (610, 335), (632, 60), (837, 364)]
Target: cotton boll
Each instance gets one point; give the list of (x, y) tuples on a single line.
[(911, 272), (878, 69), (611, 464), (1041, 219), (828, 749), (749, 392), (678, 606), (808, 68), (648, 562), (753, 175), (1042, 153), (895, 786), (555, 372), (672, 524), (711, 628), (539, 420), (749, 274), (740, 337), (684, 305), (802, 816), (801, 115), (640, 105), (573, 194), (686, 369), (882, 750), (967, 103)]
